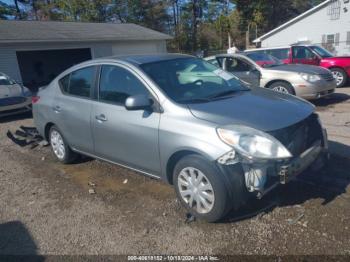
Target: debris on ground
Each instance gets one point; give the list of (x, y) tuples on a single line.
[(91, 184), (27, 136), (190, 218), (292, 221), (92, 191), (125, 181), (43, 158)]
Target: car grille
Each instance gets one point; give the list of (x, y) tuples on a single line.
[(327, 77), (8, 101), (300, 136)]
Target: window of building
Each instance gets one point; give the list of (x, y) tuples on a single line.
[(337, 36), (117, 84), (348, 38), (330, 39)]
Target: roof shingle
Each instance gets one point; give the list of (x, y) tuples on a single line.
[(49, 31)]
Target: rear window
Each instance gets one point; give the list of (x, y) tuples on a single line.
[(79, 82)]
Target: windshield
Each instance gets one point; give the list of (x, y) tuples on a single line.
[(264, 60), (321, 51), (191, 80)]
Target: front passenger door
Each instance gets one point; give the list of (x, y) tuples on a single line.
[(126, 137), (243, 70)]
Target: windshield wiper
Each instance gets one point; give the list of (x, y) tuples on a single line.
[(224, 94), (195, 100)]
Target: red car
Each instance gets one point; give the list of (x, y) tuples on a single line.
[(311, 55)]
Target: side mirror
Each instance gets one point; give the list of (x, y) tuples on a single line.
[(138, 102)]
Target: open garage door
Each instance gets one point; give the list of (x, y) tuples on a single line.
[(38, 68)]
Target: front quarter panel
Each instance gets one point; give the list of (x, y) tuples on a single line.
[(181, 131)]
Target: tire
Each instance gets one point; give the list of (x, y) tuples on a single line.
[(214, 193), (59, 146), (282, 87), (340, 76)]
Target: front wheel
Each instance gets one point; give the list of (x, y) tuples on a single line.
[(201, 188), (282, 87), (340, 76)]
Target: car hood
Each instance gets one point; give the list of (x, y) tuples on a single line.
[(309, 69), (261, 109)]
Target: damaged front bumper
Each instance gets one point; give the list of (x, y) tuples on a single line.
[(261, 177)]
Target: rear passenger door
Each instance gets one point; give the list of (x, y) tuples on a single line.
[(127, 137), (72, 108)]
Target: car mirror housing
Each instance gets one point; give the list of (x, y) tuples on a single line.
[(138, 102)]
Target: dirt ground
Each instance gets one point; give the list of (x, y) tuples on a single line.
[(46, 208)]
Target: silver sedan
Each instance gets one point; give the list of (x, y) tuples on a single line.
[(262, 70)]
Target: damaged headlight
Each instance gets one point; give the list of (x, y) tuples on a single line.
[(253, 143)]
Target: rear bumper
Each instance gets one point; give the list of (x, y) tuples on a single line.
[(314, 91), (16, 108)]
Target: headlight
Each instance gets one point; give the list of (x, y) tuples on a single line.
[(310, 77), (253, 143)]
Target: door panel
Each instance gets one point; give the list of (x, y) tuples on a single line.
[(242, 70), (72, 108), (127, 137), (120, 135), (303, 55)]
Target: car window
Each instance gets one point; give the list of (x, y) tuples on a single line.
[(64, 83), (236, 65), (214, 62), (282, 53), (81, 81), (189, 87), (301, 52), (117, 84)]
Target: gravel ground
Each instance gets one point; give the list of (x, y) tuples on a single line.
[(46, 208)]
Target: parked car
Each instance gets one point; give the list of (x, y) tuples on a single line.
[(14, 98), (180, 119), (311, 55), (262, 70)]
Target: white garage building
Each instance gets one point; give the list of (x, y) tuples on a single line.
[(34, 52), (327, 24)]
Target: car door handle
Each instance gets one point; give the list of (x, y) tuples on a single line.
[(101, 118), (57, 109)]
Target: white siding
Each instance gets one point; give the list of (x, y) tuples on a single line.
[(9, 64), (312, 28)]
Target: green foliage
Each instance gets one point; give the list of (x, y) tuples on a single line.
[(194, 24)]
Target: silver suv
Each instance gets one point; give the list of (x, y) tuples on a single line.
[(182, 120)]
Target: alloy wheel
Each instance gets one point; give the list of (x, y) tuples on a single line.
[(57, 144), (338, 76), (196, 190), (280, 89)]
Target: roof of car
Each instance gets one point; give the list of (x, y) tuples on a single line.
[(150, 58)]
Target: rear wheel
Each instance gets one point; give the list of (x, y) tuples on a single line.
[(282, 87), (340, 76), (59, 146), (201, 188)]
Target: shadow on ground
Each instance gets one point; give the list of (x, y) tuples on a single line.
[(326, 184), (12, 118), (17, 244), (335, 98)]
